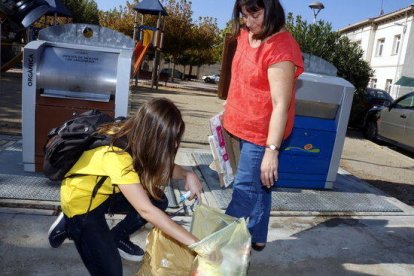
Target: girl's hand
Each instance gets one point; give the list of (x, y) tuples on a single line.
[(269, 167), (193, 184)]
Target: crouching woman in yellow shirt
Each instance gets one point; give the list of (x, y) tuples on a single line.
[(136, 177)]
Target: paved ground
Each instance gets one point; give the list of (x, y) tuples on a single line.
[(380, 245), (381, 165), (305, 244)]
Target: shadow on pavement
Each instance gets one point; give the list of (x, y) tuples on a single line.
[(401, 191), (322, 250)]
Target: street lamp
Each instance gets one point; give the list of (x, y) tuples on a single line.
[(316, 8)]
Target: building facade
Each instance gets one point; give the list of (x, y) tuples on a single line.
[(388, 45)]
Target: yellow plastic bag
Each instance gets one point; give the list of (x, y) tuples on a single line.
[(165, 256), (220, 235)]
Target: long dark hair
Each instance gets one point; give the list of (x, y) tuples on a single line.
[(153, 136), (274, 16)]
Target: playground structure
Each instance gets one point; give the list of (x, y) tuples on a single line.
[(141, 48), (20, 17), (145, 37), (148, 36)]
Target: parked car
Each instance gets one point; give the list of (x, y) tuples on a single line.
[(371, 97), (377, 97), (212, 78), (394, 124), (169, 71)]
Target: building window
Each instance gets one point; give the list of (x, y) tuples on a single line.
[(388, 83), (373, 83), (396, 44), (380, 47)]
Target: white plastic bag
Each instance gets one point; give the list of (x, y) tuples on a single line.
[(221, 235), (220, 154)]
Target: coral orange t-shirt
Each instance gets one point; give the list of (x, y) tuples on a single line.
[(249, 104)]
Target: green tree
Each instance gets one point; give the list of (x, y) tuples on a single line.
[(222, 35), (204, 46), (121, 19), (320, 40), (177, 31), (185, 42), (83, 11)]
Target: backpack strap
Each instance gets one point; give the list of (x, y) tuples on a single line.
[(98, 185)]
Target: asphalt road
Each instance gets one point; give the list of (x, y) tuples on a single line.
[(383, 166)]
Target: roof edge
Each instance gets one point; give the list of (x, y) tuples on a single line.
[(377, 20)]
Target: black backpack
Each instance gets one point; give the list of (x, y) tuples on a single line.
[(67, 142)]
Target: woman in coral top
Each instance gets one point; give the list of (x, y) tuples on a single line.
[(260, 107)]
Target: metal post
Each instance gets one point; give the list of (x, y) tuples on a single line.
[(160, 44), (134, 36), (1, 23), (156, 63)]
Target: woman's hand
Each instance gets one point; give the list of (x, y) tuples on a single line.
[(269, 167)]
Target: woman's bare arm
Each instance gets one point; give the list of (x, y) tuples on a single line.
[(281, 80)]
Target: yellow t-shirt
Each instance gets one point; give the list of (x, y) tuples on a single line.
[(75, 193)]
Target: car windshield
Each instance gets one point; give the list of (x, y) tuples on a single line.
[(407, 102)]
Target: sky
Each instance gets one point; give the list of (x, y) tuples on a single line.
[(340, 13)]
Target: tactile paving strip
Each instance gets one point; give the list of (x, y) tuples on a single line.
[(301, 200), (28, 187)]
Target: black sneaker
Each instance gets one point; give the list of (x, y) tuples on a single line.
[(57, 232), (130, 251)]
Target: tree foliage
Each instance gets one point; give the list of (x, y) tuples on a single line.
[(83, 11), (121, 19), (218, 52), (178, 28), (204, 45), (320, 40), (186, 42)]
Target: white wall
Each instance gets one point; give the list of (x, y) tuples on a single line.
[(408, 61), (389, 65), (363, 35)]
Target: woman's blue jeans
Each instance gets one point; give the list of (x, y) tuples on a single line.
[(250, 198), (94, 240)]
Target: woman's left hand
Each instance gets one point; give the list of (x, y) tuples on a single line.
[(269, 167)]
